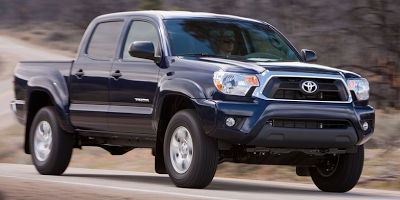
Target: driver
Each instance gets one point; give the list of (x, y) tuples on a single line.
[(225, 41)]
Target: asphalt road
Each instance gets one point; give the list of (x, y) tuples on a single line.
[(105, 184)]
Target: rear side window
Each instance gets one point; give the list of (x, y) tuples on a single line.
[(104, 40)]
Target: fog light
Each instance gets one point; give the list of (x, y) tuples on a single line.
[(230, 121), (365, 126)]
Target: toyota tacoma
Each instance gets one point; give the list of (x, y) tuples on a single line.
[(199, 89)]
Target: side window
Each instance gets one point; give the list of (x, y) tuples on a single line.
[(104, 40), (141, 31)]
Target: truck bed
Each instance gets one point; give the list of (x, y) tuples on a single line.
[(35, 73)]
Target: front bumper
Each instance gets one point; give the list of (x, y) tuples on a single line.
[(255, 131)]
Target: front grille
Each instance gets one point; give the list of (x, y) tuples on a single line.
[(296, 85), (308, 123), (298, 95), (289, 85), (290, 88)]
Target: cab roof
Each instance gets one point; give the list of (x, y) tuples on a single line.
[(173, 15)]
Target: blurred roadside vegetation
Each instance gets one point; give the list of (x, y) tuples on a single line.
[(359, 35)]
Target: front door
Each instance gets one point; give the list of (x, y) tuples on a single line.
[(133, 84)]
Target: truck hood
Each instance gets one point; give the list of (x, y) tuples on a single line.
[(260, 67)]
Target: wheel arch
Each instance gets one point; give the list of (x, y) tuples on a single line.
[(174, 95), (190, 94), (41, 92), (171, 104)]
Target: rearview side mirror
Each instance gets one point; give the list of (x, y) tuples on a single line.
[(142, 49), (309, 55)]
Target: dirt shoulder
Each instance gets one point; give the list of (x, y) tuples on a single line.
[(59, 39), (6, 72), (8, 61), (62, 39)]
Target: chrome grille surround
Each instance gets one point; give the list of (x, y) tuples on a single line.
[(266, 76)]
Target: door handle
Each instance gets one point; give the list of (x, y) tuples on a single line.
[(79, 73), (116, 74)]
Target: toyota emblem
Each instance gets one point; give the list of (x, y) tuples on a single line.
[(309, 86)]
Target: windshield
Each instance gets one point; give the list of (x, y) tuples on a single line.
[(247, 41)]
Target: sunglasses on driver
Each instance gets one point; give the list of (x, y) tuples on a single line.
[(227, 41)]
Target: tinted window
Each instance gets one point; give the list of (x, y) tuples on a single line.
[(232, 39), (140, 31), (104, 40)]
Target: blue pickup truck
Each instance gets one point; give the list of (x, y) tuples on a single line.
[(199, 89)]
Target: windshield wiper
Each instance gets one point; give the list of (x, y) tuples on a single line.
[(200, 55), (234, 57), (261, 59)]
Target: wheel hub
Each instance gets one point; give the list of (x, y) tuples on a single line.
[(328, 167), (181, 149), (184, 149), (42, 141)]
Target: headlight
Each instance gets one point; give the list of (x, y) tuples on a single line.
[(360, 86), (234, 83)]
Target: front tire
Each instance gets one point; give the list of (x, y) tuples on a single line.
[(191, 157), (339, 173), (50, 146)]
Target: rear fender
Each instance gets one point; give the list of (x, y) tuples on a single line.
[(55, 86)]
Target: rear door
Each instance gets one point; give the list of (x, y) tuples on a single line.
[(132, 92), (89, 88)]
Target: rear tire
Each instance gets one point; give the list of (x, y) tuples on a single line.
[(191, 157), (50, 146), (339, 173)]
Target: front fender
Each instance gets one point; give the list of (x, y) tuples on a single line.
[(182, 86), (188, 89)]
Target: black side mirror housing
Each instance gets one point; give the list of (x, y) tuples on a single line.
[(309, 55), (142, 49)]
